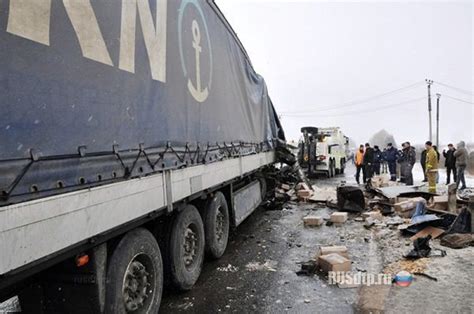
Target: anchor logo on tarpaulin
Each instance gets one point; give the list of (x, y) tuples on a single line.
[(195, 84), (198, 93)]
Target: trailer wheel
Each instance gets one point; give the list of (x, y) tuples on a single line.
[(186, 248), (135, 275), (216, 225)]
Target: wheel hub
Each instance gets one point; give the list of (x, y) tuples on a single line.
[(220, 221), (190, 246), (136, 286)]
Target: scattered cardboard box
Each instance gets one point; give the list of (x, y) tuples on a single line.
[(334, 262), (304, 194), (285, 187), (335, 249), (302, 186), (312, 220), (338, 217), (380, 181), (440, 202), (407, 208), (320, 197), (434, 232), (373, 214)]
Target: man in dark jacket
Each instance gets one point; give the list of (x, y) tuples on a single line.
[(407, 161), (391, 155), (377, 160), (368, 162), (423, 164), (450, 163)]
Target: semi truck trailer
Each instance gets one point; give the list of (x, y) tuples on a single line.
[(133, 135)]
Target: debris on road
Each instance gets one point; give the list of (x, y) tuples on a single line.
[(406, 208), (350, 198), (373, 214), (304, 195), (458, 240), (432, 231), (269, 265), (334, 262), (313, 221), (381, 181), (229, 268), (393, 221), (439, 202), (462, 223), (308, 268), (322, 195), (369, 222), (339, 217), (335, 249), (411, 266)]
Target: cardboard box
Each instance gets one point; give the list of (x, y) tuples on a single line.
[(334, 262), (373, 214), (285, 187), (339, 217), (406, 209), (440, 202), (335, 249), (304, 194), (313, 220), (430, 230), (302, 186)]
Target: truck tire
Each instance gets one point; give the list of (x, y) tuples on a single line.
[(186, 248), (135, 275), (216, 225), (343, 166)]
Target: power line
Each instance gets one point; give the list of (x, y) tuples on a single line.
[(379, 108), (459, 99), (455, 88), (368, 99)]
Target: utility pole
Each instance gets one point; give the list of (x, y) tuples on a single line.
[(438, 96), (429, 82)]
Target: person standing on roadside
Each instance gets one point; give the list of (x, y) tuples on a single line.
[(423, 164), (391, 156), (431, 166), (450, 163), (359, 163), (461, 155), (407, 161), (439, 156), (368, 162), (377, 160), (384, 161)]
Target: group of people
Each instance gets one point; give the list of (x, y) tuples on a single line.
[(368, 161)]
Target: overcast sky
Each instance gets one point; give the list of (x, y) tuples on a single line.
[(318, 55)]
